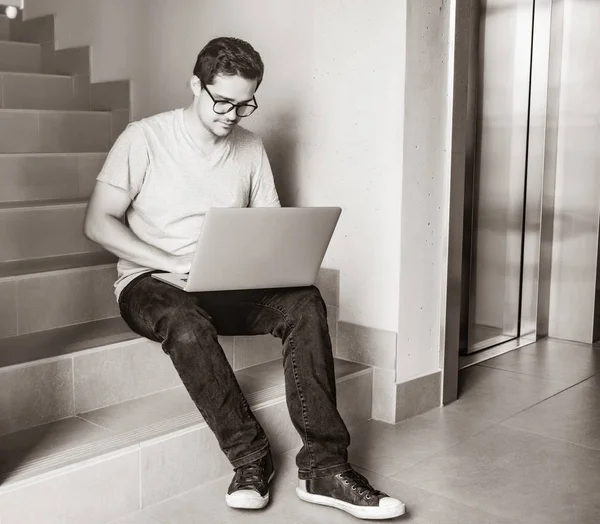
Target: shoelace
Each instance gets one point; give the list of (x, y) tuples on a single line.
[(249, 474), (357, 482)]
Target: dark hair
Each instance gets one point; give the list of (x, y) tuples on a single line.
[(228, 56)]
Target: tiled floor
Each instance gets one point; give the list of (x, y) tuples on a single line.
[(521, 445)]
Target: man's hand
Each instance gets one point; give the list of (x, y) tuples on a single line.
[(180, 263)]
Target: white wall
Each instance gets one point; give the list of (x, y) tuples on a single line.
[(331, 107), (425, 189)]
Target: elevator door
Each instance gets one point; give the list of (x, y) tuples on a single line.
[(497, 157)]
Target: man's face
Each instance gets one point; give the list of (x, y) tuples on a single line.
[(234, 89)]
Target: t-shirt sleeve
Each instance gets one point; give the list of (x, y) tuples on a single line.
[(263, 192), (127, 161)]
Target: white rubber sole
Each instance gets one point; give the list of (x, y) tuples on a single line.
[(247, 498), (389, 509)]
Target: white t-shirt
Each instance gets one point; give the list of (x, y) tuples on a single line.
[(172, 183)]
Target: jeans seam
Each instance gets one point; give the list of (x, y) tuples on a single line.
[(296, 381), (302, 402), (324, 472), (244, 460)]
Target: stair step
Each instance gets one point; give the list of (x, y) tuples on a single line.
[(46, 176), (40, 91), (63, 341), (50, 131), (57, 292), (21, 57), (51, 203), (30, 230), (145, 450), (56, 263)]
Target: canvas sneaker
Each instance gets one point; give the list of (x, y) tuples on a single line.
[(350, 492), (249, 488)]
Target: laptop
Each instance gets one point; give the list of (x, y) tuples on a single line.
[(256, 248)]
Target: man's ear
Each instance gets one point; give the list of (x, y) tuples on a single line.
[(195, 86)]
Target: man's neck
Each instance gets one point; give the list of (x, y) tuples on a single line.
[(201, 136)]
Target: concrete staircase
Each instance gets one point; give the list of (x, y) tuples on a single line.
[(94, 422)]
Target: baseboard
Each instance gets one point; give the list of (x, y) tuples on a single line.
[(393, 403)]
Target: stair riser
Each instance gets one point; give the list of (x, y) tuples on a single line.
[(256, 349), (43, 232), (90, 380), (96, 493), (30, 178), (85, 381), (4, 28), (55, 299), (54, 132), (20, 58), (155, 471), (34, 395), (39, 29), (124, 372), (134, 369), (39, 92)]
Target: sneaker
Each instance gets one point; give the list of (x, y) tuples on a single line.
[(350, 492), (249, 488)]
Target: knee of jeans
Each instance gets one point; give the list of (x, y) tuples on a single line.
[(183, 323), (308, 302)]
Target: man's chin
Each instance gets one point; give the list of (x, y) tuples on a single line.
[(221, 129)]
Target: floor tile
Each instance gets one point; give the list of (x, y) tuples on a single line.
[(141, 517), (573, 416), (387, 449), (207, 503), (593, 382), (422, 507), (551, 359), (495, 394), (516, 474), (142, 412)]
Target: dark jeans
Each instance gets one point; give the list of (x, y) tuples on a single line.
[(187, 325)]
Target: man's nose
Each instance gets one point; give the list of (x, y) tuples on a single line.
[(232, 115)]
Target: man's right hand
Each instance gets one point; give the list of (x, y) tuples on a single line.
[(180, 263)]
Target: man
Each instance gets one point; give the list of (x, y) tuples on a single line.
[(162, 175)]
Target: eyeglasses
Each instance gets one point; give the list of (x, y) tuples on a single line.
[(222, 107)]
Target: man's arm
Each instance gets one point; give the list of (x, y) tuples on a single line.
[(103, 224), (263, 192)]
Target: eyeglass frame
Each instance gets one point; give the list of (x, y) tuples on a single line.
[(233, 106)]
